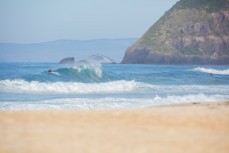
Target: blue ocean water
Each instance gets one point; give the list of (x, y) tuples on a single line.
[(107, 86)]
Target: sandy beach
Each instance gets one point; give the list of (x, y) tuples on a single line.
[(189, 128)]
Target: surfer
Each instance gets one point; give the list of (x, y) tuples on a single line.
[(49, 70)]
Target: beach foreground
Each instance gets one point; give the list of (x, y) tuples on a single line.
[(190, 128)]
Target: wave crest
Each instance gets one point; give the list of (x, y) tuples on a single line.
[(212, 71), (104, 87), (80, 72), (91, 67), (66, 87)]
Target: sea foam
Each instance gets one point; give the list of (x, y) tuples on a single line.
[(91, 66), (66, 87), (17, 86), (212, 71), (109, 103)]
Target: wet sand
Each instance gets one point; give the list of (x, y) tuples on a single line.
[(187, 128)]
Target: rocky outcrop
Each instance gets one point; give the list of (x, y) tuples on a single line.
[(186, 34), (98, 58), (68, 60)]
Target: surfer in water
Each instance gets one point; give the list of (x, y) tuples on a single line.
[(49, 70)]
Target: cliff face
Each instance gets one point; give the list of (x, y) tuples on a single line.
[(191, 32)]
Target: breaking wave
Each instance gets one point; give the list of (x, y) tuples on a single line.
[(87, 85), (81, 72), (66, 87), (18, 86), (212, 71)]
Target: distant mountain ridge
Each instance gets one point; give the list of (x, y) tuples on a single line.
[(54, 51), (191, 32)]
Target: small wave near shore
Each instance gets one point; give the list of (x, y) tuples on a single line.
[(212, 71)]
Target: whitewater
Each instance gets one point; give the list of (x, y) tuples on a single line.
[(94, 86)]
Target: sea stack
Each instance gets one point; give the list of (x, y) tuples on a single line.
[(191, 32), (68, 60)]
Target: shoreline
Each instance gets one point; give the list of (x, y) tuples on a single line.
[(194, 127), (226, 102)]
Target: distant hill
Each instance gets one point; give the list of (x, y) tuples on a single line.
[(54, 51), (191, 32)]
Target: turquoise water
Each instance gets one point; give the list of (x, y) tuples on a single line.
[(95, 86)]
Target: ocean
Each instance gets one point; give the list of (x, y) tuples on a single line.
[(94, 86)]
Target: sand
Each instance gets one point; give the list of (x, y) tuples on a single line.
[(188, 128)]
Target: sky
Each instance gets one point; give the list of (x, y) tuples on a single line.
[(34, 21)]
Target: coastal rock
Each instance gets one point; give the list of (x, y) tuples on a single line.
[(68, 60), (191, 32), (100, 59)]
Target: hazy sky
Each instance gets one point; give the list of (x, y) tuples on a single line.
[(26, 21)]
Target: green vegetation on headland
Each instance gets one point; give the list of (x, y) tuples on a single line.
[(191, 32)]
